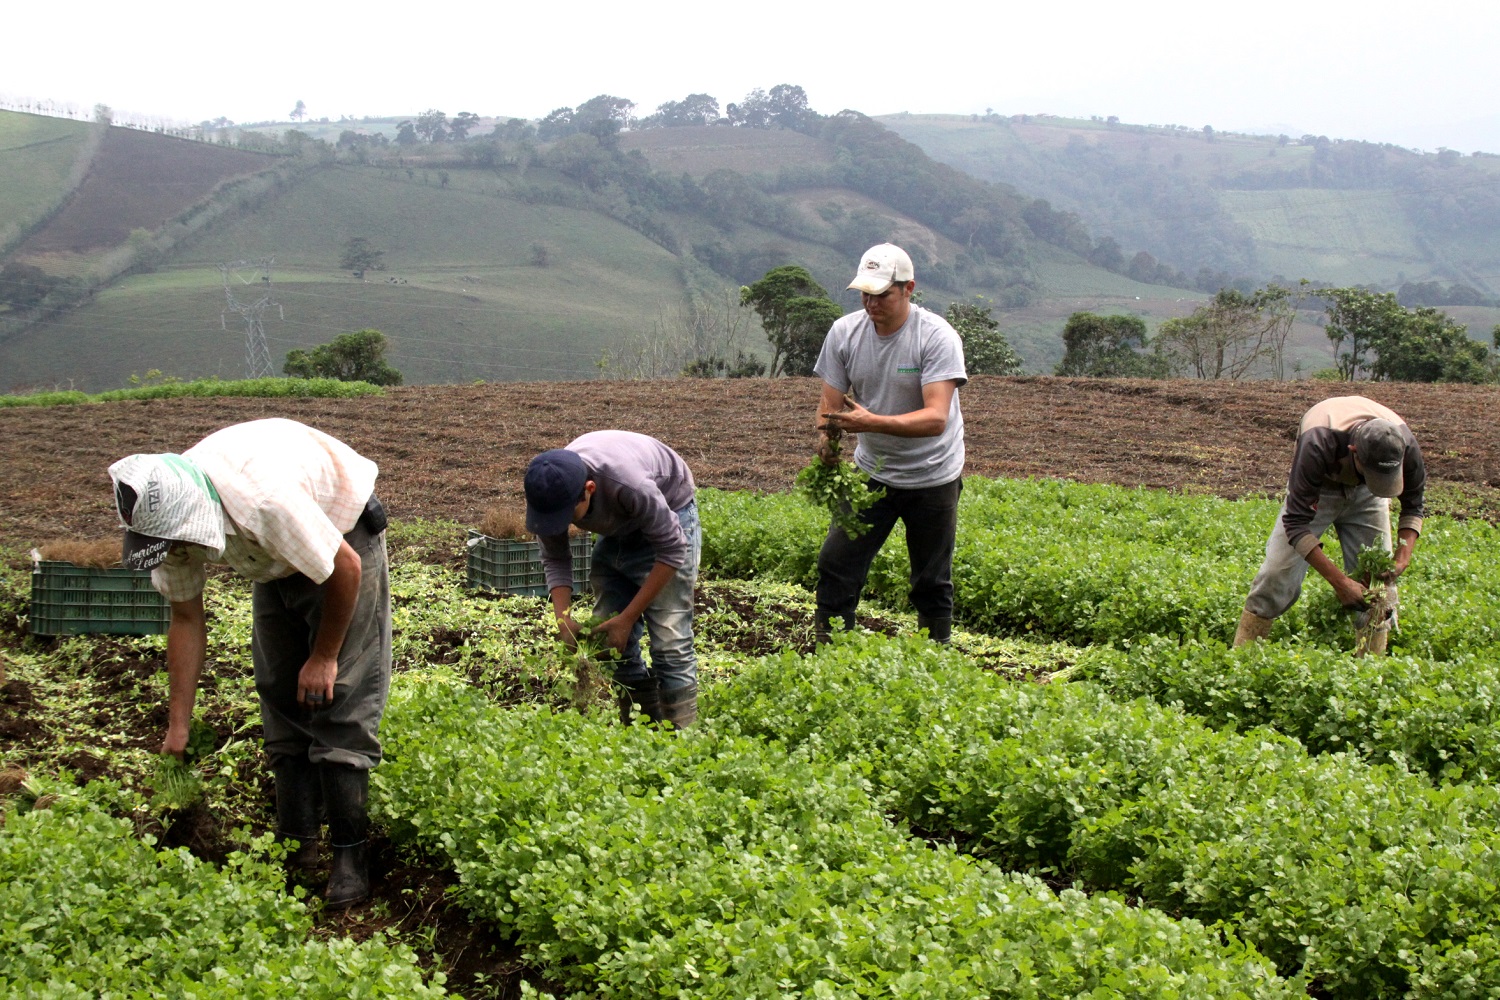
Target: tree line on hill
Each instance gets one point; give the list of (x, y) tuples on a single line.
[(1172, 206), (1236, 336), (994, 223), (1233, 336)]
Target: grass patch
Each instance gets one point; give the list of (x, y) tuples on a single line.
[(204, 388)]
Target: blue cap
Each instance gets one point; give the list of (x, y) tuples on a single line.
[(554, 485)]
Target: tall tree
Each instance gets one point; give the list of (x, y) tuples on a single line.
[(986, 351), (796, 312), (695, 109), (1357, 322), (1430, 346), (1230, 336), (360, 255), (432, 125), (460, 124), (349, 357), (1107, 347), (299, 112), (558, 123)]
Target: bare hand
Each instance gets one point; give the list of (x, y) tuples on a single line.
[(568, 631), (1351, 594), (315, 682), (175, 742), (1403, 560), (616, 632), (852, 419)]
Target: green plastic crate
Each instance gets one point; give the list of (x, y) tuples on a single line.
[(74, 600), (511, 567)]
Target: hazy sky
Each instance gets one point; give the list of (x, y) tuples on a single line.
[(1374, 69)]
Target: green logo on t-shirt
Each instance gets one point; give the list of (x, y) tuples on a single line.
[(908, 371)]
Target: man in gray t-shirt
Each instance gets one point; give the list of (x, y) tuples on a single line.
[(903, 366)]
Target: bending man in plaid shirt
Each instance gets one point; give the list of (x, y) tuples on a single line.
[(294, 510)]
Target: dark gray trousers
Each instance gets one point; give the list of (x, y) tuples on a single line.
[(286, 617), (931, 519)]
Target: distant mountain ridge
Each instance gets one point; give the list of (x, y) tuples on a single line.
[(1263, 206)]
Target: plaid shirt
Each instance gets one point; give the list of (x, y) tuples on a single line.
[(289, 494)]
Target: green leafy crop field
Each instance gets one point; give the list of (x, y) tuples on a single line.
[(1145, 813)]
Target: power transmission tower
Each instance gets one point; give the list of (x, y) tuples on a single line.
[(257, 355)]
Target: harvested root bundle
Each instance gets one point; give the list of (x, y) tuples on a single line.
[(1372, 625), (88, 553), (506, 524)]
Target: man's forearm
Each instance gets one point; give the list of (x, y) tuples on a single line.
[(187, 644), (925, 422), (661, 574), (1318, 560), (562, 601), (339, 599)]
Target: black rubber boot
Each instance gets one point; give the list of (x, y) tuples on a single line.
[(938, 629), (679, 706), (642, 695), (825, 623), (346, 791), (299, 809)]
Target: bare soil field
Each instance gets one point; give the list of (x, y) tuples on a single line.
[(456, 451), (133, 184)]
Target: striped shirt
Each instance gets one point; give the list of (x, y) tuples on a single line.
[(289, 494)]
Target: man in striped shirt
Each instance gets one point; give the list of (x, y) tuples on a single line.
[(294, 510), (1353, 455)]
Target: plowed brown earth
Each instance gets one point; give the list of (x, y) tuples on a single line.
[(454, 451)]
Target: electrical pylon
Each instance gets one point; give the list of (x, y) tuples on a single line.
[(257, 355)]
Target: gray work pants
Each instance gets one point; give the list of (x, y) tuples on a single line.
[(287, 613), (1360, 518)]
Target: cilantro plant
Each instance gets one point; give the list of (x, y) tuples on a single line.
[(841, 487)]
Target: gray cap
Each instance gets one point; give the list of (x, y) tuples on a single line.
[(1380, 448)]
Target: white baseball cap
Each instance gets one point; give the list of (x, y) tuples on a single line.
[(881, 267), (164, 499)]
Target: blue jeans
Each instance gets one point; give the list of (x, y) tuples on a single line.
[(620, 565)]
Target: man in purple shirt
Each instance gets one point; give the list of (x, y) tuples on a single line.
[(637, 494)]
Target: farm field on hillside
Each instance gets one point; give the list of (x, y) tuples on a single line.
[(973, 832), (459, 298), (39, 159), (129, 187)]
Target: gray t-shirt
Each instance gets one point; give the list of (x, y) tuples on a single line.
[(886, 375), (639, 483)]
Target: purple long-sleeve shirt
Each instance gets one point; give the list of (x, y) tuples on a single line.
[(639, 485)]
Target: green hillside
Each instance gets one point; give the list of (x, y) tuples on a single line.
[(513, 260), (459, 298), (512, 256), (1257, 206), (41, 161)]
